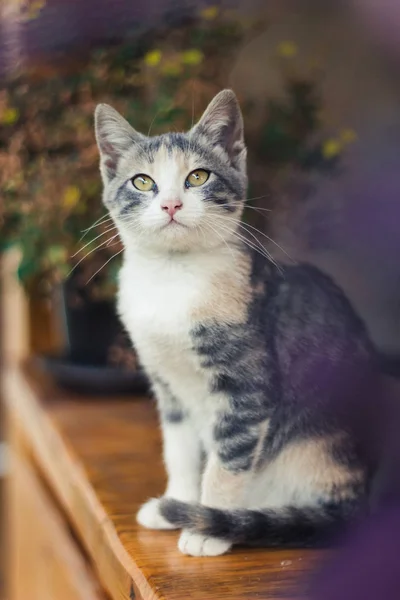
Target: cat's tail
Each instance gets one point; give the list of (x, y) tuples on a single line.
[(289, 526)]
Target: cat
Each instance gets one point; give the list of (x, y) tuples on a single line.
[(260, 370)]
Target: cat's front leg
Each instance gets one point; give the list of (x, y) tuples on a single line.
[(182, 457), (221, 488), (227, 482)]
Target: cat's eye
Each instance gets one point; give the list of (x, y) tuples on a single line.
[(197, 178), (144, 183)]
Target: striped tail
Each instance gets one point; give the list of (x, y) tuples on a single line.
[(285, 527)]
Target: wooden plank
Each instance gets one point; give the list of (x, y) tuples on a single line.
[(102, 459), (45, 560), (14, 316)]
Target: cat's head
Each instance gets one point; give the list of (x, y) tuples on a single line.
[(178, 191)]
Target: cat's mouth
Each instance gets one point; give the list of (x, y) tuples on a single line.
[(173, 224)]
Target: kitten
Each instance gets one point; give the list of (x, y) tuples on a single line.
[(259, 372)]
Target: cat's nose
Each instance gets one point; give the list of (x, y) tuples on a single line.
[(171, 206)]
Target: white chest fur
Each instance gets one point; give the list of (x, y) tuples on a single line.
[(157, 299)]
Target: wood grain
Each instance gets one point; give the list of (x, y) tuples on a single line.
[(14, 318), (102, 460), (45, 560)]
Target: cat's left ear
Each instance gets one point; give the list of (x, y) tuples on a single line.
[(222, 125), (114, 137)]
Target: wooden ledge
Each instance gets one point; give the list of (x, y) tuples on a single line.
[(102, 459)]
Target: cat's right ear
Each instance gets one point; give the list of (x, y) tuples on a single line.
[(222, 125), (114, 137)]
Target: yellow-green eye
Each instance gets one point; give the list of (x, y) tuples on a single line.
[(144, 183), (197, 178)]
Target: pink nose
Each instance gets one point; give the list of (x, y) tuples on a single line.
[(171, 206)]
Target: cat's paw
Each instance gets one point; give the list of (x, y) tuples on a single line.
[(149, 516), (196, 544)]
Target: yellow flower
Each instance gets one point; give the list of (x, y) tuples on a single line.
[(331, 148), (71, 196), (348, 136), (192, 57), (10, 116), (210, 13), (287, 49), (153, 58), (171, 68), (56, 254)]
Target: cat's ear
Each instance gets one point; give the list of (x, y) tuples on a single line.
[(114, 137), (222, 125)]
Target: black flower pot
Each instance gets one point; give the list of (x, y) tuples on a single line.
[(90, 329), (95, 342)]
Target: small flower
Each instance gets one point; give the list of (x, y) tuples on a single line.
[(287, 49), (71, 196), (152, 58), (331, 148), (210, 13), (56, 254), (9, 116), (192, 57), (348, 136), (171, 68)]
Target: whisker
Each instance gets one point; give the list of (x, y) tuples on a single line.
[(258, 241), (113, 238), (220, 236), (260, 248), (101, 221), (258, 198), (105, 264), (257, 209), (86, 255), (249, 207), (268, 238), (98, 222), (193, 100), (247, 225), (91, 241), (105, 216), (152, 122)]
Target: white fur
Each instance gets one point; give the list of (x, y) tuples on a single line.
[(149, 516), (156, 300), (182, 455), (195, 544)]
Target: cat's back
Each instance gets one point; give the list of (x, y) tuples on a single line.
[(308, 300)]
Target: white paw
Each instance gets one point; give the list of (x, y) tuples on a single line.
[(149, 516), (196, 544)]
